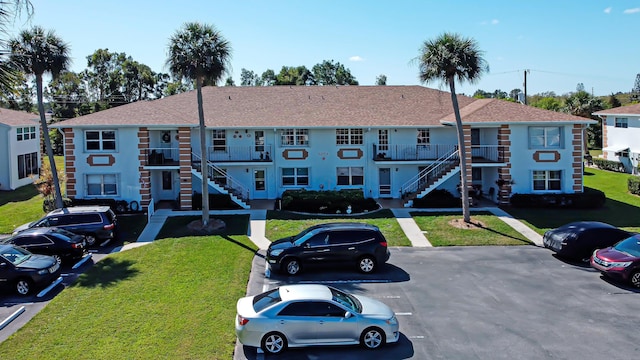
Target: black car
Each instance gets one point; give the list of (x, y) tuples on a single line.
[(578, 240), (22, 271), (63, 245), (97, 223), (330, 244)]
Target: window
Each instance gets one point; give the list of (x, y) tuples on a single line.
[(295, 176), (102, 184), (349, 137), (622, 123), (220, 176), (259, 140), (383, 140), (547, 180), (167, 180), (350, 175), (26, 133), (545, 137), (423, 137), (294, 137), (220, 140), (27, 165), (476, 174), (98, 140)]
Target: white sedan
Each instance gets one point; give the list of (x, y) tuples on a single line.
[(313, 315)]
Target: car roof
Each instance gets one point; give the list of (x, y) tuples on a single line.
[(585, 225), (346, 225), (35, 230), (305, 292), (79, 209)]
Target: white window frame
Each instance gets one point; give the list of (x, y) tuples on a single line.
[(547, 178), (25, 133), (29, 165), (423, 137), (294, 137), (354, 175), (296, 175), (103, 184), (383, 140), (101, 140), (621, 123), (349, 136), (219, 140), (543, 137)]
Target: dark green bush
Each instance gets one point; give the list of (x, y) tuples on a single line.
[(589, 199), (216, 202), (327, 202), (609, 165), (49, 204), (633, 184), (439, 198)]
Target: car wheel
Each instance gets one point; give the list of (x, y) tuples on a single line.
[(23, 286), (367, 264), (274, 343), (58, 259), (372, 338), (635, 279), (91, 240), (292, 266)]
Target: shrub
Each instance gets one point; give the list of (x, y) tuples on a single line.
[(439, 198), (633, 184), (327, 202), (49, 204), (216, 202), (589, 199), (609, 165)]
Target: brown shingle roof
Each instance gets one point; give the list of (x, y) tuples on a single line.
[(312, 106), (621, 110), (18, 118)]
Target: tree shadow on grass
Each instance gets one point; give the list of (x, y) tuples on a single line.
[(177, 226), (20, 194), (244, 246), (526, 241), (107, 273)]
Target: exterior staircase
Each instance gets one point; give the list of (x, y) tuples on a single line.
[(234, 188), (431, 177)]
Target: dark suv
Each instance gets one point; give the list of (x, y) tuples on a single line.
[(97, 223), (329, 244)]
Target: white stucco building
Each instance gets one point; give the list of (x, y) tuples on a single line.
[(621, 135), (19, 148)]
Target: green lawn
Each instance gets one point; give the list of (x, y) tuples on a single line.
[(283, 223), (172, 299), (621, 208), (439, 232)]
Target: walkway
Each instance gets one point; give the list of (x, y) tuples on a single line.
[(258, 220)]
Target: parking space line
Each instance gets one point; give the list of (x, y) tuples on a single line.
[(82, 261), (11, 317), (48, 288), (415, 337), (404, 314), (342, 281)]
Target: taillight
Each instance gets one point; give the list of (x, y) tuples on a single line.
[(242, 320), (383, 243), (109, 227), (76, 245)]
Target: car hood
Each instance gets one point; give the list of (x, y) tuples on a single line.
[(613, 255), (374, 308), (22, 227), (281, 244), (37, 262)]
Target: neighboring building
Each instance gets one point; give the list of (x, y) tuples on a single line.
[(389, 141), (19, 148), (621, 135)]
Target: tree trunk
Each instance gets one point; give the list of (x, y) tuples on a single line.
[(47, 144), (203, 156), (462, 153)]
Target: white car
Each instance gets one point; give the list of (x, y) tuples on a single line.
[(312, 315)]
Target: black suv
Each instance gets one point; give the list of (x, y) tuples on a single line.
[(97, 223), (329, 244), (23, 271)]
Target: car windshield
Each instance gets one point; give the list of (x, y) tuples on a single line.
[(304, 236), (265, 300), (629, 246), (62, 234), (347, 300), (15, 254)]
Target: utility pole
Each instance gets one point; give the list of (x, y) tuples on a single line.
[(525, 86)]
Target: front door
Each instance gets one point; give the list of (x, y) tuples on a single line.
[(259, 184), (384, 182), (168, 186)]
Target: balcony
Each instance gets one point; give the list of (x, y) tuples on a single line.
[(162, 157), (431, 152), (253, 153)]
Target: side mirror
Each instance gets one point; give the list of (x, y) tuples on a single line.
[(347, 315)]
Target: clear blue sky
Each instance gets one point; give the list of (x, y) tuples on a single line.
[(561, 42)]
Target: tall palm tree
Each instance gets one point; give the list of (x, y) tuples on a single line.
[(9, 9), (36, 52), (446, 58), (199, 52)]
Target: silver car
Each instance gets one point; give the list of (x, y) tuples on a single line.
[(311, 315)]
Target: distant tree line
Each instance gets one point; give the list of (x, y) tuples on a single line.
[(328, 72)]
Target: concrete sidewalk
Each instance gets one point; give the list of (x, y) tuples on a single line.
[(258, 219)]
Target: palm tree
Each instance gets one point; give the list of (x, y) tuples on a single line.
[(199, 52), (36, 52), (8, 10), (446, 58)]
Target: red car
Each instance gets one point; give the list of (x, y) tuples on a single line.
[(620, 261)]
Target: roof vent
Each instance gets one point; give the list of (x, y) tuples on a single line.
[(229, 97)]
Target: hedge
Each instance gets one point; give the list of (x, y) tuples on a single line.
[(327, 202), (609, 165), (439, 198), (633, 184), (589, 199)]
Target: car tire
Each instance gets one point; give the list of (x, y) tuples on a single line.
[(372, 338), (367, 264), (292, 266), (91, 240), (58, 258), (23, 286), (635, 279), (274, 343)]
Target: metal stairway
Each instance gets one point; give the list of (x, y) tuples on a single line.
[(431, 177), (238, 193)]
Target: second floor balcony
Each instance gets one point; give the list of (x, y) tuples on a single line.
[(253, 153), (431, 152)]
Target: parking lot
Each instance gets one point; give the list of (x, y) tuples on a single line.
[(483, 303)]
